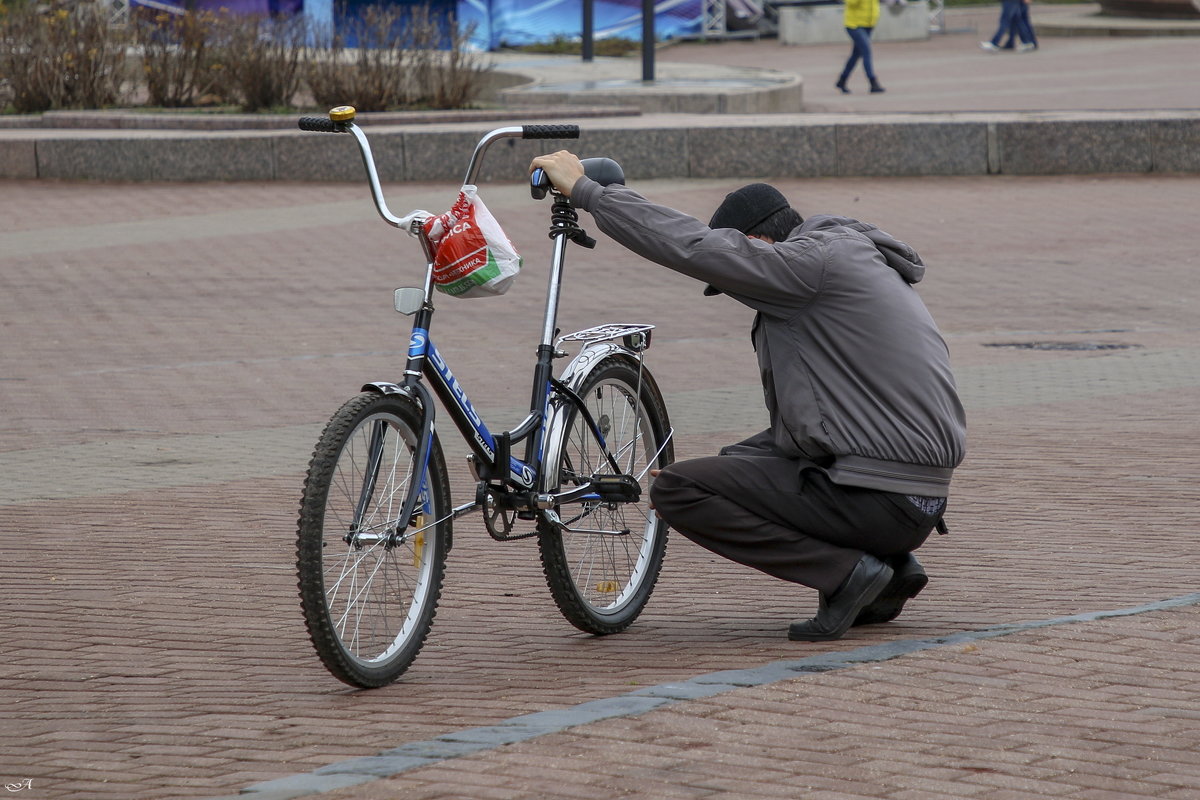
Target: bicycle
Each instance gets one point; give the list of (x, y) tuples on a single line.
[(376, 519)]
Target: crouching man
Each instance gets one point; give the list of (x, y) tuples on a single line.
[(853, 473)]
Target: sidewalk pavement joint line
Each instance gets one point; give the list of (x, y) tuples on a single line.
[(122, 464), (415, 755), (994, 157)]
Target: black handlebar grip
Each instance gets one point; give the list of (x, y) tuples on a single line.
[(319, 124), (549, 131)]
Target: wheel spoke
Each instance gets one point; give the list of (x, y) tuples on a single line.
[(369, 589), (601, 582)]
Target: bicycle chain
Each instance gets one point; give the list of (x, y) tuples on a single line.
[(492, 512)]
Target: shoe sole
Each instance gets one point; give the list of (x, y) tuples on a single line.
[(889, 605)]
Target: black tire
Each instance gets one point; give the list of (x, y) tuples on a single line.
[(369, 605), (602, 581)]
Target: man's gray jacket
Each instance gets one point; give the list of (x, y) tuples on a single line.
[(855, 374)]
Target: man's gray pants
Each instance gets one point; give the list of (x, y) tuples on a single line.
[(784, 516)]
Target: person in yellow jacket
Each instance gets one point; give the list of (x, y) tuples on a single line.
[(861, 17)]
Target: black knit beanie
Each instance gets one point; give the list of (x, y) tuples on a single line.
[(747, 207), (743, 210)]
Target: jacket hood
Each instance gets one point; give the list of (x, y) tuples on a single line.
[(898, 255)]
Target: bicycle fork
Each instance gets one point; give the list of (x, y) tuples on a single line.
[(416, 488)]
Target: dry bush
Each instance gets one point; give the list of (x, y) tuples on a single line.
[(459, 78), (65, 55), (178, 66), (261, 59), (402, 58), (368, 76), (446, 77), (60, 56)]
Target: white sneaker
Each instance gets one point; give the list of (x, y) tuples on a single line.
[(991, 48), (1025, 48)]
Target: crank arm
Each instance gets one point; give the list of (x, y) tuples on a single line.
[(578, 494), (599, 488)]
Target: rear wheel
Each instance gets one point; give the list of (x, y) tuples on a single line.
[(370, 581), (602, 568)]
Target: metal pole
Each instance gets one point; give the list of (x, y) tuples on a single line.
[(587, 29), (648, 41), (714, 19)]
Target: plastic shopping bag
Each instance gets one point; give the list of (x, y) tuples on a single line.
[(472, 256)]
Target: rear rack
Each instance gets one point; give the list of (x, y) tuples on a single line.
[(605, 333)]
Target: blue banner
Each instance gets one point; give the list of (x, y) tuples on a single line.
[(500, 23)]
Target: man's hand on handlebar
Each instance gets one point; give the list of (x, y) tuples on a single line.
[(563, 168)]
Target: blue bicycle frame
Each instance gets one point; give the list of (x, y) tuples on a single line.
[(493, 461), (483, 444)]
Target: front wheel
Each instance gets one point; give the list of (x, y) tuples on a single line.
[(369, 580), (602, 566)]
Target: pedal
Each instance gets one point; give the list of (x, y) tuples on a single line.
[(617, 488)]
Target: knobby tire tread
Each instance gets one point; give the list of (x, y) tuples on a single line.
[(555, 567), (310, 541)]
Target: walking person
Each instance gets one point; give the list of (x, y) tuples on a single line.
[(866, 426), (1014, 21), (860, 19), (1024, 30)]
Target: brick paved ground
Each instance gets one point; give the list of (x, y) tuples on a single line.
[(1102, 710), (170, 353)]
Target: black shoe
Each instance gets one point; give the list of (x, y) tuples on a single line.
[(876, 88), (907, 582), (838, 611), (842, 85)]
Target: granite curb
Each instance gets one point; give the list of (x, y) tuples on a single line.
[(133, 119), (660, 146)]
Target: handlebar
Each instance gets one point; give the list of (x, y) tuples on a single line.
[(320, 125), (341, 120), (549, 131), (522, 132)]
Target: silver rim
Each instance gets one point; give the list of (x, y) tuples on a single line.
[(608, 570), (375, 589)]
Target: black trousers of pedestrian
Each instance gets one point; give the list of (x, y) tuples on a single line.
[(784, 516)]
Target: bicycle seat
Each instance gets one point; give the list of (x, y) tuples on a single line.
[(603, 171)]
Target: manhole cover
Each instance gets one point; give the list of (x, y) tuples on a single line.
[(1062, 345)]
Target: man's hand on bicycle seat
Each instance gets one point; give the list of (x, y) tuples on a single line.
[(563, 168)]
